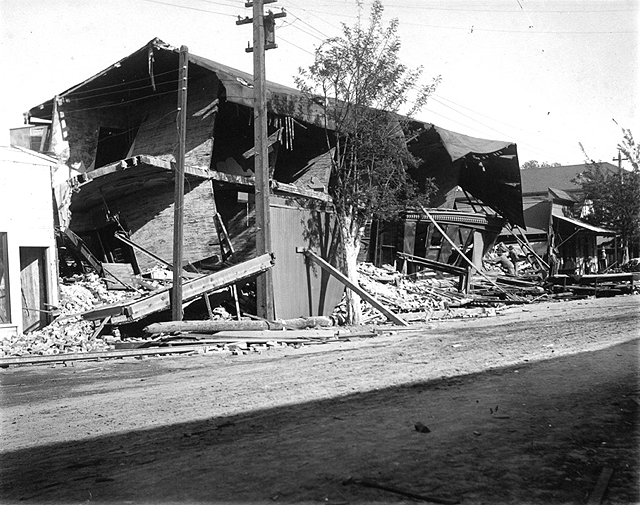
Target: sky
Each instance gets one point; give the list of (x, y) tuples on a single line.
[(547, 75)]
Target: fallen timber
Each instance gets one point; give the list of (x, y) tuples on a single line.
[(250, 338), (464, 257), (461, 273), (89, 356), (246, 325), (192, 289), (197, 343)]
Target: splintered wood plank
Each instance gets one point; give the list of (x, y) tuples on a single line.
[(156, 302)]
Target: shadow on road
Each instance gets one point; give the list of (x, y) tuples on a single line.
[(539, 433)]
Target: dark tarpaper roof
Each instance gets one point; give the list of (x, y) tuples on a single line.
[(153, 70), (487, 169)]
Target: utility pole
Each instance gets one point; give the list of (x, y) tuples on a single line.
[(620, 159), (178, 211), (263, 39)]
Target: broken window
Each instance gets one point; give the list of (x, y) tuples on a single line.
[(436, 239)]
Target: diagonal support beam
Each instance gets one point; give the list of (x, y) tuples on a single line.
[(363, 294), (464, 257)]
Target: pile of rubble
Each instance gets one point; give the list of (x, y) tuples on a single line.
[(68, 333), (423, 295)]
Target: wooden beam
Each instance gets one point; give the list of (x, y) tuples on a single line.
[(126, 240), (462, 273), (137, 309), (123, 353), (234, 293), (239, 180), (83, 249), (231, 325), (363, 294), (100, 327), (402, 492), (273, 138), (209, 326), (298, 191), (524, 243)]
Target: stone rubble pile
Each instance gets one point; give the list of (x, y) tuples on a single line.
[(68, 333)]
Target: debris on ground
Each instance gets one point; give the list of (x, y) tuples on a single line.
[(419, 297), (68, 333)]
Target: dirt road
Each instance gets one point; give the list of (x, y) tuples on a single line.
[(526, 407)]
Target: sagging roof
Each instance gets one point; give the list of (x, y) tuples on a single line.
[(486, 169), (154, 69), (595, 230)]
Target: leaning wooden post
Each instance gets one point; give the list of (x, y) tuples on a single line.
[(176, 293), (347, 282)]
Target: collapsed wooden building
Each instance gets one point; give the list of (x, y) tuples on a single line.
[(554, 207), (115, 137)]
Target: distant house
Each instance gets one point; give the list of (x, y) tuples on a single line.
[(553, 205), (116, 134), (28, 269)]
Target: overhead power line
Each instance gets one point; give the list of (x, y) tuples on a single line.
[(310, 26), (295, 45), (293, 25), (491, 118), (191, 8), (413, 6), (481, 29)]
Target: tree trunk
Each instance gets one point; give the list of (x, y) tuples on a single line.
[(351, 233)]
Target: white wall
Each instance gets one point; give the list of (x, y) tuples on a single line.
[(26, 215)]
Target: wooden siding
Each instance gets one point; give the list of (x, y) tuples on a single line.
[(152, 122), (156, 234), (303, 289), (148, 215), (300, 290), (82, 128), (157, 135)]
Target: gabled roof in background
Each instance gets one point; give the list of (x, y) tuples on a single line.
[(539, 180)]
